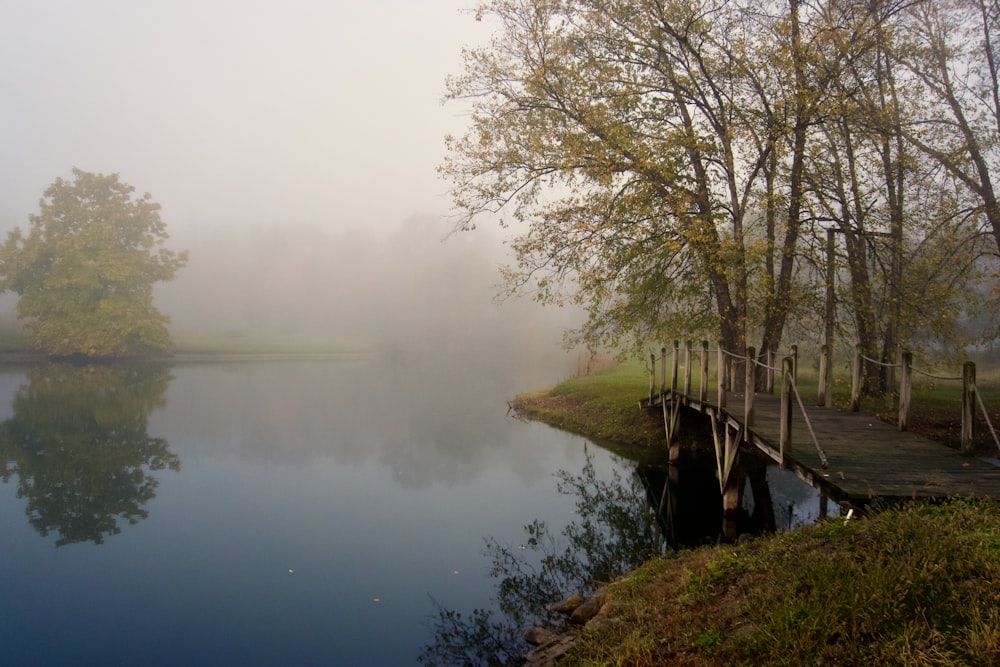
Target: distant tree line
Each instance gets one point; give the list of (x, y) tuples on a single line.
[(675, 166)]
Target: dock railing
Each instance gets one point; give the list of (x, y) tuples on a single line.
[(727, 363)]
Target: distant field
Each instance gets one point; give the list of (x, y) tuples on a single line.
[(207, 343), (212, 344)]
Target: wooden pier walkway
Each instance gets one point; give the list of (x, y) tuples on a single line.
[(867, 458)]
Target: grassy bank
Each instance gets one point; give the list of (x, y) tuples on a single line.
[(190, 346), (913, 585)]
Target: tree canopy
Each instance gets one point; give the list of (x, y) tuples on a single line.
[(675, 165), (86, 268)]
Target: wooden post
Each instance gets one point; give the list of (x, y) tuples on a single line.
[(795, 364), (673, 368), (906, 361), (652, 376), (828, 320), (785, 429), (968, 405), (732, 493), (663, 372), (856, 380), (770, 371), (687, 368), (824, 367), (720, 363), (751, 368), (704, 372)]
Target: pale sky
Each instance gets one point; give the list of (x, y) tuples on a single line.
[(323, 112)]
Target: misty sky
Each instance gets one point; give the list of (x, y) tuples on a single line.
[(262, 112)]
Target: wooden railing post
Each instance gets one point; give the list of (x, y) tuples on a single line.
[(687, 367), (856, 380), (785, 427), (721, 370), (822, 393), (663, 371), (674, 364), (751, 367), (968, 405), (652, 376), (906, 362), (704, 372), (770, 371), (795, 363)]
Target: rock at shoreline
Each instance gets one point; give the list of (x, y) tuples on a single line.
[(589, 608), (568, 605), (550, 652), (537, 636)]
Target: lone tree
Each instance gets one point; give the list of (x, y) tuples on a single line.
[(86, 269)]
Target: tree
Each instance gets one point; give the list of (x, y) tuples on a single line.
[(86, 269), (950, 49), (656, 151)]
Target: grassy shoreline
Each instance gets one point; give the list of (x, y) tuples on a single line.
[(195, 348), (918, 584)]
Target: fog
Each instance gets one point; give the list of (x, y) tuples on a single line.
[(234, 112), (293, 148), (414, 289)]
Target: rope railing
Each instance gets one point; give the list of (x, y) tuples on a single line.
[(944, 378), (805, 417), (881, 363), (986, 416), (725, 378)]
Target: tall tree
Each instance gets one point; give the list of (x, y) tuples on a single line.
[(86, 269), (638, 140), (950, 48)]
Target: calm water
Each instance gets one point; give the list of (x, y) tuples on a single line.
[(295, 513), (258, 514)]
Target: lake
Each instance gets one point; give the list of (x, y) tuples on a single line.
[(292, 513)]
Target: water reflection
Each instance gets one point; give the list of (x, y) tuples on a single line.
[(621, 523), (78, 444), (614, 531)]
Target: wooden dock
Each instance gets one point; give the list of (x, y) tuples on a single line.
[(868, 459)]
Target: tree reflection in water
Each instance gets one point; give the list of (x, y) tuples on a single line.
[(78, 444), (616, 529)]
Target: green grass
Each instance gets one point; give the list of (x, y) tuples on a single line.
[(603, 406), (208, 343), (204, 345), (13, 340), (914, 585)]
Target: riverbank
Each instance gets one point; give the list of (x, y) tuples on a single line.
[(913, 585)]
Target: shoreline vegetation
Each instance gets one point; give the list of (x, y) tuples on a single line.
[(912, 584)]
